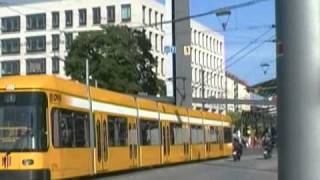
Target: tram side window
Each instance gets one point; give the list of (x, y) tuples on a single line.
[(213, 135), (227, 135), (118, 131), (197, 135), (70, 128), (149, 132), (186, 134), (176, 134)]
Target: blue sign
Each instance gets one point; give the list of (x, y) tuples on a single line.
[(169, 49)]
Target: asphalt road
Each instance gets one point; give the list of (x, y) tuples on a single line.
[(251, 167)]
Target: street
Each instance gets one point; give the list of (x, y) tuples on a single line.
[(251, 167)]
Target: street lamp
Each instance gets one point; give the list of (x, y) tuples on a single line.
[(265, 67), (222, 13)]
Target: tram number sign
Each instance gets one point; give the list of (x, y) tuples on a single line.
[(55, 98)]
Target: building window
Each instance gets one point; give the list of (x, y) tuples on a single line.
[(162, 66), (157, 69), (55, 20), (82, 17), (36, 21), (69, 18), (144, 14), (55, 65), (211, 80), (150, 19), (161, 44), (36, 44), (150, 39), (111, 11), (215, 80), (203, 41), (207, 46), (10, 68), (126, 12), (55, 42), (68, 40), (156, 19), (10, 24), (156, 42), (96, 15), (161, 21), (10, 46), (36, 66)]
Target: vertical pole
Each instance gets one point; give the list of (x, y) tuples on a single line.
[(91, 124), (174, 56), (298, 69), (241, 125), (226, 91), (202, 74), (87, 73)]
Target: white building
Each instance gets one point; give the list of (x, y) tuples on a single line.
[(35, 32), (208, 61), (237, 89)]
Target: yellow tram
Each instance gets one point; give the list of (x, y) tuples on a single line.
[(45, 130)]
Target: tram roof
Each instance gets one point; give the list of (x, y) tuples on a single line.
[(75, 88)]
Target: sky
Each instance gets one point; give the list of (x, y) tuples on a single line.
[(244, 26)]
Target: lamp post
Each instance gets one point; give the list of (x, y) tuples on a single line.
[(91, 124)]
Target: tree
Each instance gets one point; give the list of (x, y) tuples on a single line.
[(119, 59)]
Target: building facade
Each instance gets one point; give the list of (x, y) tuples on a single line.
[(36, 35), (237, 89), (208, 65)]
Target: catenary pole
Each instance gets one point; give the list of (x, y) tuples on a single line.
[(298, 69), (202, 86)]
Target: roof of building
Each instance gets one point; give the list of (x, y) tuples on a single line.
[(265, 89), (236, 78), (204, 28)]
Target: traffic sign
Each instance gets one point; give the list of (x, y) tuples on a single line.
[(169, 49)]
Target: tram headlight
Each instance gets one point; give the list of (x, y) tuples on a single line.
[(27, 162)]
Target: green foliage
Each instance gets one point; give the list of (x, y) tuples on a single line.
[(119, 59), (235, 117)]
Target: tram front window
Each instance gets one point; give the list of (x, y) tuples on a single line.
[(23, 122)]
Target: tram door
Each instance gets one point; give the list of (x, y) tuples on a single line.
[(133, 142), (207, 141), (101, 148), (186, 140), (165, 138), (221, 141)]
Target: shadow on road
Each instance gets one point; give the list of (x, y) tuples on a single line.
[(236, 165)]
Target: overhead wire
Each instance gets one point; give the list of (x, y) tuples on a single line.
[(246, 54)]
